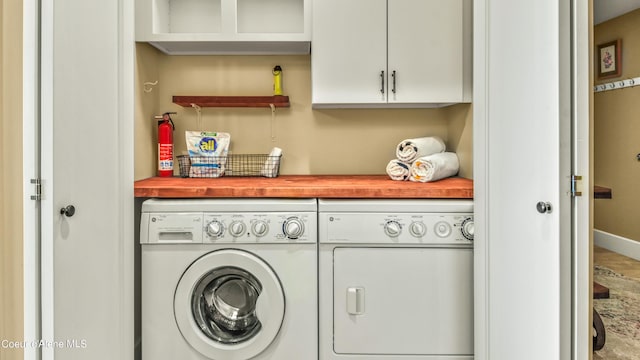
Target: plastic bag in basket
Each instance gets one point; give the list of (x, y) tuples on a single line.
[(208, 152)]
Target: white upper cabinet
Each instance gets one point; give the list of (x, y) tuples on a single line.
[(194, 27), (349, 51), (391, 53)]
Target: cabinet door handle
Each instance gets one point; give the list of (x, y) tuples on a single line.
[(382, 81), (393, 77)]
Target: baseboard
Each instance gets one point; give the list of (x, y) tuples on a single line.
[(615, 243)]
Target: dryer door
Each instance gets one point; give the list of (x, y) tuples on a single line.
[(229, 304), (403, 302)]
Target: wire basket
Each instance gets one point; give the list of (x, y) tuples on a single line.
[(185, 165), (250, 165)]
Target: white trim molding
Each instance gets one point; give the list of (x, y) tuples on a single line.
[(621, 245), (30, 155)]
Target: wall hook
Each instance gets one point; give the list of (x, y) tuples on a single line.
[(197, 107), (620, 84), (148, 86), (273, 119), (198, 115)]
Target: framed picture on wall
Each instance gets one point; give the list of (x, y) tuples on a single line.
[(609, 59)]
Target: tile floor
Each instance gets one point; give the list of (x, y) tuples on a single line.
[(616, 262), (629, 268)]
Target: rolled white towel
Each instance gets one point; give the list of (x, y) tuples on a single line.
[(434, 167), (398, 170), (409, 150)]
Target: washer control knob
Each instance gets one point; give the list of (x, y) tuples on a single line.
[(468, 228), (293, 228), (392, 228), (237, 228), (442, 229), (215, 229), (259, 228), (418, 229)]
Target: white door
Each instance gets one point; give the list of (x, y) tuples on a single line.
[(426, 51), (349, 52), (525, 102), (86, 87)]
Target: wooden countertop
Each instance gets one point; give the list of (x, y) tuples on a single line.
[(303, 186)]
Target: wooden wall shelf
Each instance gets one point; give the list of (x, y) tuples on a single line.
[(601, 192), (232, 101)]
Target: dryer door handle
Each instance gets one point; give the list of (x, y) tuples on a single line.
[(355, 300)]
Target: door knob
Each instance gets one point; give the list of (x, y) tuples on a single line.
[(68, 211), (543, 207)]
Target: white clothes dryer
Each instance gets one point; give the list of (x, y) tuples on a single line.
[(395, 279), (229, 279)]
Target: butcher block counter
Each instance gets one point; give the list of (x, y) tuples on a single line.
[(303, 186)]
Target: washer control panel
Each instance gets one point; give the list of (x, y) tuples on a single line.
[(397, 228), (205, 227)]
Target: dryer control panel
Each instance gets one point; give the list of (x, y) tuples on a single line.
[(397, 228)]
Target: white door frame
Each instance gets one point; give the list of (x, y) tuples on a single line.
[(582, 164), (579, 326), (31, 170)]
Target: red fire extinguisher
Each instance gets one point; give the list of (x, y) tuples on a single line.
[(165, 144)]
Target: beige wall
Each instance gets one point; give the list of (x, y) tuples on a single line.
[(350, 141), (616, 133), (11, 176)]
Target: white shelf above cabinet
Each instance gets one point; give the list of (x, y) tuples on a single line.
[(225, 27)]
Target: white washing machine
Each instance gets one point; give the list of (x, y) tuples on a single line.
[(229, 279), (395, 279)]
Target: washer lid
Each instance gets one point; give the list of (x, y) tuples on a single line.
[(396, 205), (229, 301), (229, 205)]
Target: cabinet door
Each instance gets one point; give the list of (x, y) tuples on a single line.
[(426, 51), (349, 51)]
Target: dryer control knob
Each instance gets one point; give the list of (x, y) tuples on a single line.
[(443, 229), (260, 228), (418, 229), (215, 229), (293, 228), (392, 228), (468, 228), (237, 228)]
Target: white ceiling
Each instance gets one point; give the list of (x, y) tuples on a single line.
[(604, 10)]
